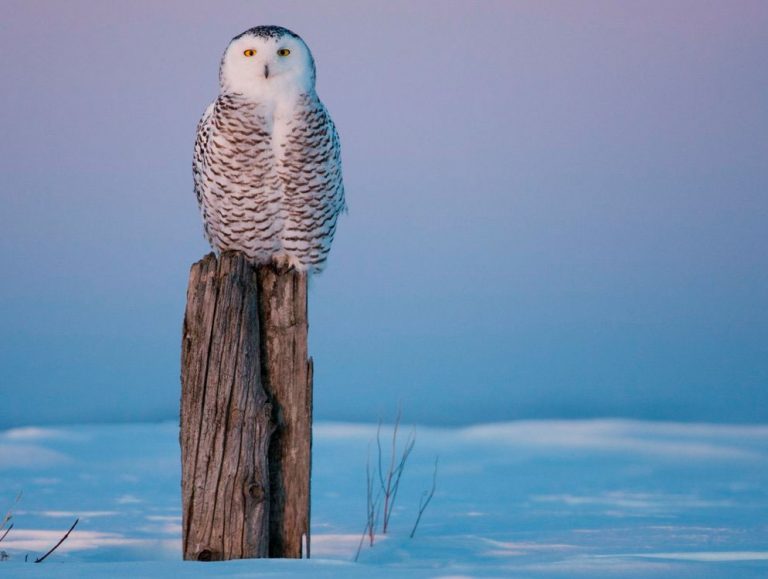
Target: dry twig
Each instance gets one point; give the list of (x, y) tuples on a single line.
[(372, 509), (426, 496), (56, 546), (372, 503), (390, 483), (8, 530), (9, 514)]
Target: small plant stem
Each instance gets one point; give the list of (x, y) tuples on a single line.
[(8, 530), (56, 546), (426, 497)]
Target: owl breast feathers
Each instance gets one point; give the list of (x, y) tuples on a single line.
[(267, 166)]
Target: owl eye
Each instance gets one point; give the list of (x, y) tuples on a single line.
[(249, 52), (283, 52)]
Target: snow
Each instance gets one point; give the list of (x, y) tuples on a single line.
[(601, 498)]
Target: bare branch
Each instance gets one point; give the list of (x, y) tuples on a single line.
[(426, 497), (8, 530), (378, 446), (9, 514), (371, 506), (360, 544), (56, 546), (399, 473), (390, 482)]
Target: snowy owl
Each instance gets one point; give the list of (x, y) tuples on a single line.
[(267, 161)]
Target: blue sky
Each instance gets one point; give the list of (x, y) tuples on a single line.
[(557, 209)]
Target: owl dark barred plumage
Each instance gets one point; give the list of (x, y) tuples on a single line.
[(267, 161)]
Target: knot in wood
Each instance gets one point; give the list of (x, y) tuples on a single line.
[(255, 491)]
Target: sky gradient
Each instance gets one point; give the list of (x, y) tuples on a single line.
[(557, 209)]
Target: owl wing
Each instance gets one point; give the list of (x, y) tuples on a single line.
[(201, 147), (311, 173)]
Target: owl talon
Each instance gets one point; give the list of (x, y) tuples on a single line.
[(280, 262), (284, 263)]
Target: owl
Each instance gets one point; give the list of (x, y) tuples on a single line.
[(267, 159)]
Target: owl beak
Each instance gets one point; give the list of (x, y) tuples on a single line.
[(266, 71)]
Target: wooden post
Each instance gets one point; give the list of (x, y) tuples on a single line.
[(225, 416), (287, 376), (245, 411)]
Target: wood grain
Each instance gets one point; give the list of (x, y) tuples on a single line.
[(287, 376), (226, 418)]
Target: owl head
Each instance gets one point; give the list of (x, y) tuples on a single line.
[(267, 60)]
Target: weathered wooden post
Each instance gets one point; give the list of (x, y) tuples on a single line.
[(287, 376), (245, 411)]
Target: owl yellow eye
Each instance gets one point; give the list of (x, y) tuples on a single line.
[(283, 52), (249, 52)]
